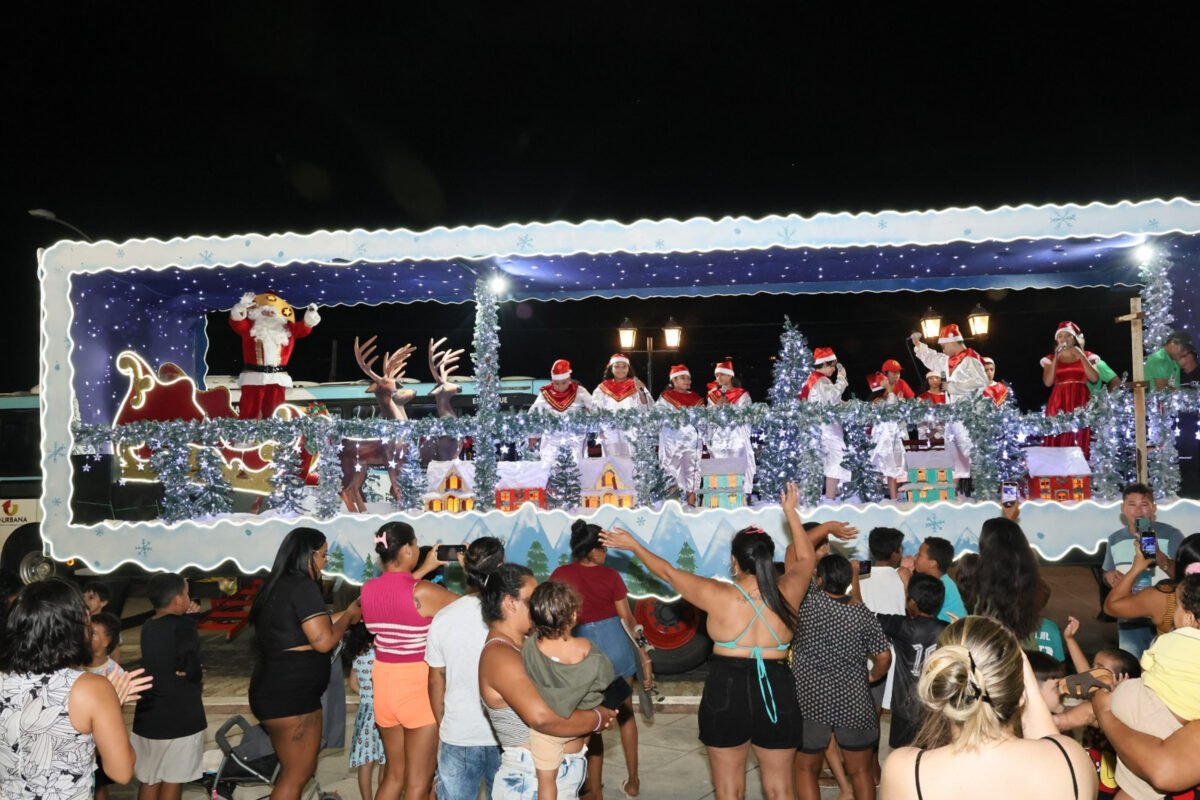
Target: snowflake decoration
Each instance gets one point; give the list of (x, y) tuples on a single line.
[(57, 502), (935, 523), (59, 451), (1151, 225), (206, 256), (524, 242), (121, 253), (883, 224), (660, 244), (966, 231), (640, 519), (787, 234), (98, 532), (144, 548), (360, 250), (248, 531), (1062, 220)]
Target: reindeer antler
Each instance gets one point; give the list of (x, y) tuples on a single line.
[(366, 357), (394, 363), (442, 364)]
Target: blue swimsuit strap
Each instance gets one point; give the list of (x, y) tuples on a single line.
[(764, 685)]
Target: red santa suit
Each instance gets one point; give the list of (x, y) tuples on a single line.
[(820, 389), (572, 400), (265, 354), (966, 378)]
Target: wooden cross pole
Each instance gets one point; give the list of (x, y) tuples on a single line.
[(1134, 318)]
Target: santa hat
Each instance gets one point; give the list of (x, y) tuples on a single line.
[(679, 370), (561, 370), (618, 358), (891, 365), (823, 355), (950, 333), (989, 360), (932, 374), (876, 381), (723, 368), (1071, 328)]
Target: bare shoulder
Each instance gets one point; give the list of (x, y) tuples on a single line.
[(898, 777)]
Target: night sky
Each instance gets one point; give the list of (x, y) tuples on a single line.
[(297, 117)]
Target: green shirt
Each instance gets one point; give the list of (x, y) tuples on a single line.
[(1106, 375), (1161, 366)]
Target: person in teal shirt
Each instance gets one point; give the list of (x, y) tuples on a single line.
[(934, 559), (1108, 379), (1162, 367)]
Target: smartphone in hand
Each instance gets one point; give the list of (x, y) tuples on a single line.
[(449, 552), (864, 568), (1008, 493)]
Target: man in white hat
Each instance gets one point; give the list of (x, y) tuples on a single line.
[(679, 450), (561, 396), (965, 379)]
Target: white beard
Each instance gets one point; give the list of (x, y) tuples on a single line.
[(272, 333)]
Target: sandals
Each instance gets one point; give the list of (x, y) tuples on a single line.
[(1082, 685)]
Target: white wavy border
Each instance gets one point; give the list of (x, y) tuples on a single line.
[(701, 234)]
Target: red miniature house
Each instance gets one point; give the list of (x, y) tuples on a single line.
[(520, 482), (1058, 473)]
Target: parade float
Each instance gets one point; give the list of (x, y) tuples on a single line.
[(125, 387)]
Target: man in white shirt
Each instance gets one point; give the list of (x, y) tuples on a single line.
[(883, 592), (966, 378), (468, 753)]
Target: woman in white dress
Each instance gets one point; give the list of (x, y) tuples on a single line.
[(822, 388), (560, 397), (679, 449), (732, 441), (887, 456), (620, 390)]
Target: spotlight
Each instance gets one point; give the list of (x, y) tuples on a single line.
[(498, 284)]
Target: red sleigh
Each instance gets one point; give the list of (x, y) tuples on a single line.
[(172, 395)]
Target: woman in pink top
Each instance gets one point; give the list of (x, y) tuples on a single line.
[(398, 608)]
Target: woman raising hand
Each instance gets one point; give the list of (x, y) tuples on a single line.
[(749, 699)]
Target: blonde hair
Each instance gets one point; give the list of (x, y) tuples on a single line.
[(973, 686)]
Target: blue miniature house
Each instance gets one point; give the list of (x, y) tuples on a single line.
[(722, 483)]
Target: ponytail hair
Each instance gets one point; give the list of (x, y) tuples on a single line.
[(480, 559), (585, 538), (504, 581), (972, 686), (754, 552), (390, 537)]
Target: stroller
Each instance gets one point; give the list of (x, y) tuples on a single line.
[(252, 762)]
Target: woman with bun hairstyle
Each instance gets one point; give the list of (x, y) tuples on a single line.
[(398, 608), (608, 623), (987, 731), (512, 702), (749, 697), (295, 634)]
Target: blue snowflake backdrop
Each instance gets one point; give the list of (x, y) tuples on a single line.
[(161, 313)]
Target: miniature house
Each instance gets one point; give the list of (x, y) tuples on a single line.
[(722, 483), (607, 482), (1058, 473), (520, 482), (451, 486), (930, 477)]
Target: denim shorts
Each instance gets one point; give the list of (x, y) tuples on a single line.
[(460, 770), (610, 638), (517, 779)]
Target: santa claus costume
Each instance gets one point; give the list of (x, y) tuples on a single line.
[(732, 441), (1067, 371), (679, 449), (821, 388), (965, 379), (560, 397), (887, 455), (620, 390), (268, 327), (996, 390)]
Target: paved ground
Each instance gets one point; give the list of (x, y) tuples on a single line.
[(673, 763)]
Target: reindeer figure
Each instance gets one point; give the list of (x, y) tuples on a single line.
[(357, 456), (442, 364)]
